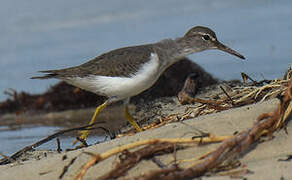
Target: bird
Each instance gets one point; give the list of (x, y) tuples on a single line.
[(125, 72)]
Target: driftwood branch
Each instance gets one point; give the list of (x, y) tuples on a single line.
[(130, 159), (7, 160), (100, 157)]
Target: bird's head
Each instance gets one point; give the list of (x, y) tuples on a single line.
[(201, 38)]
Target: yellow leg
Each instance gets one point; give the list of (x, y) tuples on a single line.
[(131, 120), (84, 134)]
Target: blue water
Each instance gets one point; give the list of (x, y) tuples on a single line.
[(39, 35), (14, 140)]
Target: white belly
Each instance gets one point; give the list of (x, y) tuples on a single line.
[(121, 87)]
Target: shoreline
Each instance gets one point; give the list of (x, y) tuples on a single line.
[(222, 123)]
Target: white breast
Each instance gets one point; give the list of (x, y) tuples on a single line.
[(121, 87)]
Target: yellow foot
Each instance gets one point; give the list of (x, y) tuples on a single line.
[(84, 133), (132, 121)]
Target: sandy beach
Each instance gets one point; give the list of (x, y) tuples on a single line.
[(262, 161)]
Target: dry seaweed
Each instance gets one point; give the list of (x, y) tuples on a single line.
[(97, 158), (236, 96), (129, 159)]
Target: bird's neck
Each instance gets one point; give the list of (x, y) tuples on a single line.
[(172, 50)]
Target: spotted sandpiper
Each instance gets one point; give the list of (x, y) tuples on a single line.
[(122, 73)]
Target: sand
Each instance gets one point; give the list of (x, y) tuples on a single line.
[(263, 160)]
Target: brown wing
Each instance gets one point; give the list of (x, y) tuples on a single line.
[(120, 62)]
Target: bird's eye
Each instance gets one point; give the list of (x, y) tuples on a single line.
[(206, 37)]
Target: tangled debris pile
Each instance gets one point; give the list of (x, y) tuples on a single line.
[(212, 99), (236, 96)]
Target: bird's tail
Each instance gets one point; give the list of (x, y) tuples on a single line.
[(50, 74)]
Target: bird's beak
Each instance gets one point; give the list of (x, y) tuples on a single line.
[(222, 47)]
